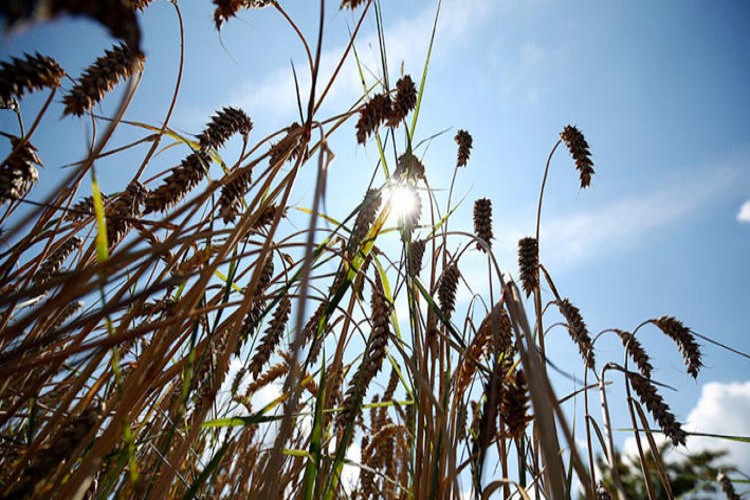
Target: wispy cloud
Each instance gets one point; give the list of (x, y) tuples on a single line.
[(274, 95), (625, 224), (744, 214)]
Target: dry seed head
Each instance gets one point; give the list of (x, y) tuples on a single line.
[(288, 148), (179, 183), (447, 290), (689, 348), (118, 63), (223, 125), (726, 486), (470, 361), (483, 222), (274, 373), (127, 206), (514, 406), (636, 352), (578, 331), (257, 304), (409, 167), (140, 5), (579, 150), (272, 337), (227, 9), (658, 408), (18, 173), (528, 264), (84, 208), (365, 218), (27, 75), (372, 116), (373, 358), (268, 215), (230, 201), (405, 101), (465, 143), (416, 254), (67, 313), (53, 264)]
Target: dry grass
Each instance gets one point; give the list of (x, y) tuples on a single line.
[(118, 330)]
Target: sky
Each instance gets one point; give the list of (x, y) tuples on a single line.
[(659, 90)]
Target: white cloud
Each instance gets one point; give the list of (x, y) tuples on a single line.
[(744, 214), (722, 409)]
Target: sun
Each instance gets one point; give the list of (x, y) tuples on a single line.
[(402, 200)]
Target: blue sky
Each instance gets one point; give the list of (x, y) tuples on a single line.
[(660, 90)]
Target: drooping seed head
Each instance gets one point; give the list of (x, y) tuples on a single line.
[(409, 167), (685, 341), (579, 150), (118, 63), (528, 264), (18, 173), (179, 183), (126, 207), (636, 352), (84, 208), (225, 123), (230, 201), (53, 264), (288, 148), (27, 75), (465, 143), (365, 217), (483, 222), (578, 331), (658, 408)]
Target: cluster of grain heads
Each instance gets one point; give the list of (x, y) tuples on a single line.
[(579, 150), (385, 453), (578, 331), (227, 9), (483, 223), (658, 408), (528, 264), (382, 109), (726, 486), (404, 102), (116, 64), (27, 75), (465, 142), (685, 341), (18, 172), (637, 353)]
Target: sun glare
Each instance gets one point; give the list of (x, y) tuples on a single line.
[(403, 201)]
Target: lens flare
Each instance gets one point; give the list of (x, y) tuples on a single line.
[(402, 200)]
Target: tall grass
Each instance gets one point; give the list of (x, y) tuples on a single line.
[(142, 331)]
